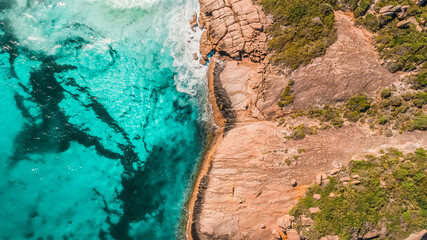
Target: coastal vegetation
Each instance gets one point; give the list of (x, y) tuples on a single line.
[(385, 196), (401, 36), (390, 113), (302, 29), (287, 97)]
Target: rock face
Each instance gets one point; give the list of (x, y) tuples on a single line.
[(418, 236), (238, 79), (403, 24), (351, 65), (234, 28), (246, 166)]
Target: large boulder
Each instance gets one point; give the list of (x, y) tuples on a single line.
[(418, 236), (403, 24), (306, 221), (403, 13), (285, 222), (387, 10), (293, 235)]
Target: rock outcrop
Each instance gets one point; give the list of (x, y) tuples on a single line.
[(233, 28), (250, 186)]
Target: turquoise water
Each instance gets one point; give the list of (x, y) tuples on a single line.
[(102, 117)]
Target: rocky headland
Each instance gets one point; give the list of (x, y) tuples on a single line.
[(254, 173)]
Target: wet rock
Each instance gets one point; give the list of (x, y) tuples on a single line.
[(193, 21), (317, 196), (202, 61), (403, 24), (293, 235), (195, 57), (293, 183)]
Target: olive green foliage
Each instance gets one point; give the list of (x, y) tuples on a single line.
[(287, 97), (421, 80), (356, 106), (385, 93), (302, 29), (327, 114), (394, 111), (400, 111), (301, 131), (419, 123), (392, 195), (359, 7), (359, 103)]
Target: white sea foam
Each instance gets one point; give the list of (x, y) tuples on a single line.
[(183, 43)]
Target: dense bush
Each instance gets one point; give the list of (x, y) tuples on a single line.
[(302, 29), (287, 97), (392, 196), (358, 103)]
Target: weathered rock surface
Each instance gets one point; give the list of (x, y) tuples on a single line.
[(234, 28), (249, 186), (390, 10), (330, 238), (418, 236), (351, 65), (239, 79), (246, 166), (293, 235), (403, 24)]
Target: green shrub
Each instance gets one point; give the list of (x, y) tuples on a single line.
[(287, 97), (382, 120), (421, 80), (395, 101), (385, 93), (392, 196), (359, 103), (295, 38), (420, 122), (301, 131), (352, 116)]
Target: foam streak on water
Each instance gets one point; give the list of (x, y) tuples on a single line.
[(102, 117)]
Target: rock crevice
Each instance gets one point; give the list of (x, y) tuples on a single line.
[(233, 28)]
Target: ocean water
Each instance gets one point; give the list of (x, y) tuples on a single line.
[(102, 117)]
